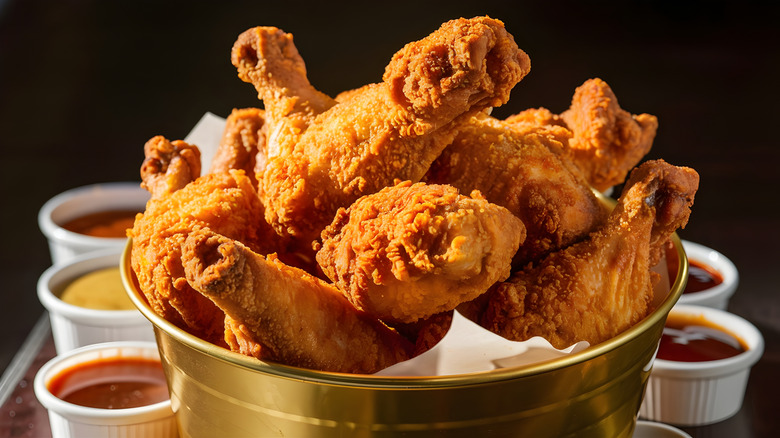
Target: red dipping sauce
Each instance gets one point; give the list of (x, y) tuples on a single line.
[(701, 277), (112, 383), (692, 338), (111, 223)]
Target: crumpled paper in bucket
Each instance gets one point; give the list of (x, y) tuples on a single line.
[(466, 348), (469, 348)]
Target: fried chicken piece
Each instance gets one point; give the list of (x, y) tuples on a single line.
[(379, 133), (267, 58), (282, 314), (243, 143), (414, 250), (520, 171), (168, 166), (425, 333), (225, 202), (596, 289), (606, 141)]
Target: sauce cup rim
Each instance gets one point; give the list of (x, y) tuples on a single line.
[(54, 231), (721, 263), (92, 415), (54, 304), (741, 327)]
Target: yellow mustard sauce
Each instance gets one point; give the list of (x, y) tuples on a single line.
[(101, 290)]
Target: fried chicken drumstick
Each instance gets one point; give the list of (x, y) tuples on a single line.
[(283, 314), (597, 288), (323, 154), (414, 250), (225, 202)]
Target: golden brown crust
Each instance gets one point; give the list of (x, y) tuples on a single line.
[(376, 134), (224, 202), (283, 314), (520, 171), (414, 250), (597, 288), (243, 143), (168, 165), (607, 140)]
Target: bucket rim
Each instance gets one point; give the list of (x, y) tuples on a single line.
[(404, 382)]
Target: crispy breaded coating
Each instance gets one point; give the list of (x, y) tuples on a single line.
[(283, 314), (414, 250), (243, 143), (597, 288), (224, 202), (520, 171), (605, 141), (328, 157), (168, 165)]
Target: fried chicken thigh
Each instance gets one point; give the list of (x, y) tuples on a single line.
[(522, 173), (414, 250), (597, 288), (280, 313), (323, 154)]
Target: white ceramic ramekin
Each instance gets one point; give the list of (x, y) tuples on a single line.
[(71, 420), (701, 393), (74, 326), (651, 429), (73, 203), (717, 296)]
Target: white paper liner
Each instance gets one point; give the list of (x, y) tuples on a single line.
[(206, 135), (467, 347)]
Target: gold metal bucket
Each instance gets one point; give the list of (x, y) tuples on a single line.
[(594, 393)]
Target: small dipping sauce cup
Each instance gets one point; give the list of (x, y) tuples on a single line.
[(651, 429), (712, 277), (114, 389), (702, 367), (90, 218), (74, 325)]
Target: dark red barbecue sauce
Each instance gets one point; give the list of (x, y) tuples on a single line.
[(700, 275), (692, 338), (115, 383)]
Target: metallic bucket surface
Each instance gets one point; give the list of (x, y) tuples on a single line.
[(594, 393)]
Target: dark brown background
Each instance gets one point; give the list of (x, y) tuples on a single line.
[(83, 84)]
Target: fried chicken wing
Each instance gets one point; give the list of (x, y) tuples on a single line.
[(597, 288), (606, 141), (381, 132), (520, 172), (414, 250), (280, 313)]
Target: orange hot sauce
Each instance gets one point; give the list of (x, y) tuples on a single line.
[(111, 223), (113, 383)]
